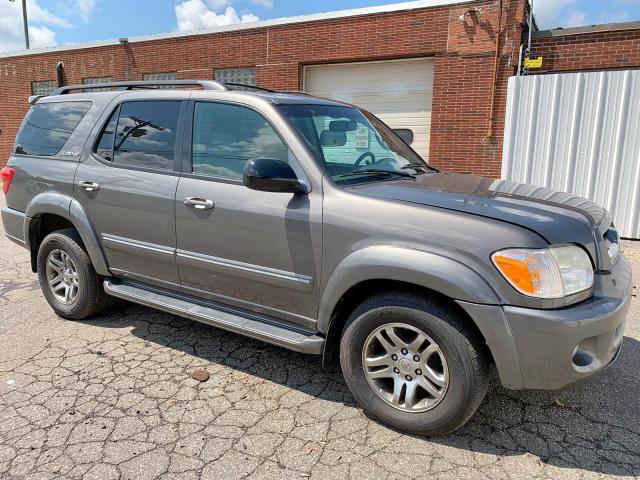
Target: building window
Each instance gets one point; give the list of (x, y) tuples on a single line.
[(43, 88), (244, 76), (150, 77), (94, 80)]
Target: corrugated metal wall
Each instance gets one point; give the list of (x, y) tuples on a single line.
[(578, 133)]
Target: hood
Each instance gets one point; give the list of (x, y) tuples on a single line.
[(556, 216)]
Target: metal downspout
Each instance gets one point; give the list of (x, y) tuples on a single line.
[(495, 75)]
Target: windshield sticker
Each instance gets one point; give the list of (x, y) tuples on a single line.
[(362, 138)]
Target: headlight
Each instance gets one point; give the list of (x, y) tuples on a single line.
[(554, 272)]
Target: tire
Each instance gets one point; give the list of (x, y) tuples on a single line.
[(64, 248), (457, 363)]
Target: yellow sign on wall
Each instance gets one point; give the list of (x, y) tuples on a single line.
[(530, 63)]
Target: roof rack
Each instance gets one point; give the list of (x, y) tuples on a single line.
[(205, 84), (297, 92), (251, 87), (154, 84)]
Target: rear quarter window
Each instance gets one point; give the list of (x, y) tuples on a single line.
[(48, 126)]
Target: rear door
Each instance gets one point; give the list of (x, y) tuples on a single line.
[(127, 185), (258, 251)]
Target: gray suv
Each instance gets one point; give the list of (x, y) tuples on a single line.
[(309, 224)]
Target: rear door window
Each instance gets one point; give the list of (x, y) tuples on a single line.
[(48, 126), (141, 134)]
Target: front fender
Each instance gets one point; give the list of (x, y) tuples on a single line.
[(66, 207), (441, 274)]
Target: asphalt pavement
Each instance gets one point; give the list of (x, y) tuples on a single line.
[(114, 397)]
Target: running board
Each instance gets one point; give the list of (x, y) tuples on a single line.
[(225, 319)]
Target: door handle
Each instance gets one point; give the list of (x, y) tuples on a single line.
[(89, 186), (199, 203)]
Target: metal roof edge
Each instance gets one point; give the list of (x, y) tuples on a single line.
[(605, 27), (314, 17)]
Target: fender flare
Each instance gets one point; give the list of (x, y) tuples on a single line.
[(436, 272), (66, 207)]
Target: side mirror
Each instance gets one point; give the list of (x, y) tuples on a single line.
[(405, 134), (270, 175)]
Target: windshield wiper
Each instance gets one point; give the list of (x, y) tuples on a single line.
[(376, 171), (419, 166)]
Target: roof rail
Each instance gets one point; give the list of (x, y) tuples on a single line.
[(297, 92), (250, 87), (205, 84)]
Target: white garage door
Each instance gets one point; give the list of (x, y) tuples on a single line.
[(399, 92)]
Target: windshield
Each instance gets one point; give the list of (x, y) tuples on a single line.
[(352, 145)]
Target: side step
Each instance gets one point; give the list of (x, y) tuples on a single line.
[(222, 318)]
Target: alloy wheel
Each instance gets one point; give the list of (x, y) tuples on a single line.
[(62, 276), (405, 367)]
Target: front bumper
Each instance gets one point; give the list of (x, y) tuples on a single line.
[(552, 349)]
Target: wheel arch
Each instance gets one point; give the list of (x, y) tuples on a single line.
[(48, 212), (375, 269), (434, 272)]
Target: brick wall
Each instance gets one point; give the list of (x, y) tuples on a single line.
[(463, 55), (597, 50), (459, 140)]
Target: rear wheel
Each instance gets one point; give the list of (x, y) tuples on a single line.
[(67, 277), (413, 363)]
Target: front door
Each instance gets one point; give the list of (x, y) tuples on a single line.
[(127, 185), (258, 251)]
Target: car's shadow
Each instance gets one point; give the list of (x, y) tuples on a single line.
[(593, 427)]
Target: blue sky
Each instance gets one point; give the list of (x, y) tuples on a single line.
[(56, 22)]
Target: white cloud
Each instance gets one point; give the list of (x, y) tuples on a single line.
[(571, 13), (80, 9), (84, 8), (575, 18), (11, 29), (549, 13), (264, 3), (12, 38), (194, 14), (37, 14), (217, 4), (220, 4), (42, 22), (616, 17), (41, 37)]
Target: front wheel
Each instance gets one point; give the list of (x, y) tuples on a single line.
[(67, 277), (413, 363)]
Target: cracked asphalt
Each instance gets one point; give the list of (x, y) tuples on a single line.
[(113, 398)]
